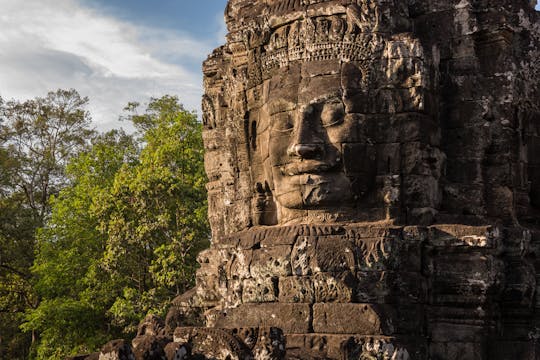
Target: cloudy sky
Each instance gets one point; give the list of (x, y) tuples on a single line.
[(113, 51)]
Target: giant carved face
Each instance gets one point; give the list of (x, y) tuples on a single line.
[(323, 113), (306, 137)]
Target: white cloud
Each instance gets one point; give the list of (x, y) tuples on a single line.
[(50, 44)]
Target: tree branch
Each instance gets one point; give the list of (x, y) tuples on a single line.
[(13, 270)]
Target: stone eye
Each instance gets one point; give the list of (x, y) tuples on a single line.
[(332, 114), (282, 122)]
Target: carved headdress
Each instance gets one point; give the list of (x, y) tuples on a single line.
[(268, 38), (278, 32)]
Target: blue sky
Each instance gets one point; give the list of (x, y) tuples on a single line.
[(200, 20), (113, 51), (194, 16)]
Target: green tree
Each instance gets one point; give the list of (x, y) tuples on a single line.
[(122, 238), (41, 136), (37, 139), (155, 214), (71, 318)]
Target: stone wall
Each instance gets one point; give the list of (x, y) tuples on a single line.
[(439, 292)]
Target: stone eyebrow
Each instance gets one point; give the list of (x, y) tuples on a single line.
[(280, 105), (336, 95)]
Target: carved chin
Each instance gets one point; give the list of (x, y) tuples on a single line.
[(313, 191)]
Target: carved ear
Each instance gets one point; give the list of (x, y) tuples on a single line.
[(265, 206), (209, 114)]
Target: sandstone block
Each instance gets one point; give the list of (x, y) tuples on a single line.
[(460, 236), (271, 261), (302, 253), (116, 350), (447, 332), (280, 236), (177, 351), (388, 254), (337, 347), (219, 344), (390, 287), (350, 319), (367, 319), (457, 351), (149, 347), (333, 254), (459, 279), (291, 318), (260, 290), (240, 264), (322, 287), (296, 289)]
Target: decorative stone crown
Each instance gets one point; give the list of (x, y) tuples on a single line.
[(351, 34), (344, 51)]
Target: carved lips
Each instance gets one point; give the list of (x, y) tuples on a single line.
[(306, 167)]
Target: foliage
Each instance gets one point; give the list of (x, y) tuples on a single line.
[(122, 237), (37, 138), (69, 248), (155, 213), (41, 136)]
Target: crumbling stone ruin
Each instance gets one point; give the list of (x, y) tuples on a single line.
[(374, 186)]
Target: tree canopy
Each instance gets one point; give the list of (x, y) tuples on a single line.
[(37, 139), (109, 223)]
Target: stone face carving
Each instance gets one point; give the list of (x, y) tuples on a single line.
[(401, 90), (317, 105)]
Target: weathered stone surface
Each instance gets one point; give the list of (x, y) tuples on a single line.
[(413, 102), (390, 287), (374, 176), (116, 350), (270, 345), (351, 319), (457, 350), (291, 318), (152, 325), (271, 261), (149, 347), (177, 351), (228, 344), (185, 310), (367, 319), (319, 288), (211, 343), (388, 254), (501, 349), (331, 346), (260, 290)]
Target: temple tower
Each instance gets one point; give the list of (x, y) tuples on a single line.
[(374, 178), (374, 186)]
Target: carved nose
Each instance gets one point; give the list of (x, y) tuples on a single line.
[(305, 151)]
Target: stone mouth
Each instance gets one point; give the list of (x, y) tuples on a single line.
[(306, 167)]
